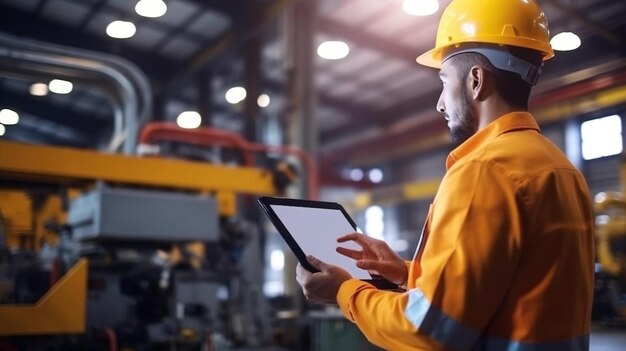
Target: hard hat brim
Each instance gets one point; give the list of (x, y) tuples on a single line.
[(431, 58)]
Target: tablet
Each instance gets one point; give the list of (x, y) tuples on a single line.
[(312, 228)]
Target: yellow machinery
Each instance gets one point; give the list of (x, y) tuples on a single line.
[(37, 183), (610, 208)]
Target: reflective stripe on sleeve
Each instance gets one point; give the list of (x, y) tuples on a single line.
[(431, 321)]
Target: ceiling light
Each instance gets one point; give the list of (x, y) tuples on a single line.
[(356, 174), (9, 117), (39, 89), (565, 41), (333, 50), (59, 86), (189, 120), (420, 7), (2, 130), (263, 100), (121, 29), (375, 175), (235, 95), (151, 8)]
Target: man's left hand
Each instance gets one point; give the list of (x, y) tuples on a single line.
[(321, 287)]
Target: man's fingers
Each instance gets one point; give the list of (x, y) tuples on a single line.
[(354, 254), (316, 263), (358, 238), (370, 265), (301, 274)]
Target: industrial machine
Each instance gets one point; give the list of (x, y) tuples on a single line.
[(109, 251), (610, 291)]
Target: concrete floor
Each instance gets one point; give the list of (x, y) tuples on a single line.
[(608, 340)]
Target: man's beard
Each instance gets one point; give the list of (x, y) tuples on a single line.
[(468, 121)]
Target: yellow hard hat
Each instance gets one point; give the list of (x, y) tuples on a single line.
[(502, 22)]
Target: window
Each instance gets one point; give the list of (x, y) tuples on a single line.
[(601, 137), (374, 222)]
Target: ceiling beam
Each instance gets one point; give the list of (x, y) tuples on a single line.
[(20, 23), (229, 41), (385, 117), (366, 39), (230, 8), (602, 32)]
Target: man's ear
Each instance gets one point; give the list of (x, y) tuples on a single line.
[(476, 83)]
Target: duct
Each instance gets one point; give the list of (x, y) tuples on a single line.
[(123, 82)]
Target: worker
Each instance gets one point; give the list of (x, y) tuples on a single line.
[(505, 260)]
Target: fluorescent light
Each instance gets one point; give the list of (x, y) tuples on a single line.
[(121, 29), (263, 100), (9, 117), (59, 86), (235, 95), (39, 89), (565, 41), (2, 130), (333, 50), (420, 7), (151, 8), (189, 120)]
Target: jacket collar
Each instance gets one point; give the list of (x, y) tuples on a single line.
[(507, 123)]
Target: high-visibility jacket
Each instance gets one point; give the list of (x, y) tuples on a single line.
[(506, 259)]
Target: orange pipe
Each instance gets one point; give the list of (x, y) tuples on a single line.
[(155, 131)]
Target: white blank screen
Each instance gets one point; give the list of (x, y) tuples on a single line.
[(316, 231)]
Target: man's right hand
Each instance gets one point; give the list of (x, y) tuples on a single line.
[(376, 256)]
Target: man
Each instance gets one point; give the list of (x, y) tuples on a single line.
[(506, 258)]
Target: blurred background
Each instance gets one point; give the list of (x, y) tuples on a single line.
[(135, 137)]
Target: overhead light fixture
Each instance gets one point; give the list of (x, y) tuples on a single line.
[(235, 95), (2, 130), (375, 175), (151, 8), (333, 50), (420, 7), (565, 41), (121, 29), (60, 86), (189, 120), (39, 89), (9, 117), (263, 100), (356, 174)]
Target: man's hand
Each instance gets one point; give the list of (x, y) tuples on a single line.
[(321, 287), (376, 256)]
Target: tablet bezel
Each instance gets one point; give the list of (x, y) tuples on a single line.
[(265, 203)]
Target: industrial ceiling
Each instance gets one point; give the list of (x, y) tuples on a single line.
[(376, 92)]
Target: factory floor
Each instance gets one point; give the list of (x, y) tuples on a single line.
[(608, 340)]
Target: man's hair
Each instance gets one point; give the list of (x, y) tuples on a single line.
[(510, 86)]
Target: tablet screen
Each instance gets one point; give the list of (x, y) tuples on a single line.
[(316, 231)]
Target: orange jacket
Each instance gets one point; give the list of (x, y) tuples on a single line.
[(506, 257)]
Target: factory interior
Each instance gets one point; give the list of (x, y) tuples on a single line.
[(137, 135)]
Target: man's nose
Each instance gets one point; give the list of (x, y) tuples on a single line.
[(440, 106)]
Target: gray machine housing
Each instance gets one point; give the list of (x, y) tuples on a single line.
[(138, 215)]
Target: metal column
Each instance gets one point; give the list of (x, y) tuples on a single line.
[(302, 96)]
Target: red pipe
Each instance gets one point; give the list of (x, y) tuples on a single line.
[(156, 131), (112, 338)]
